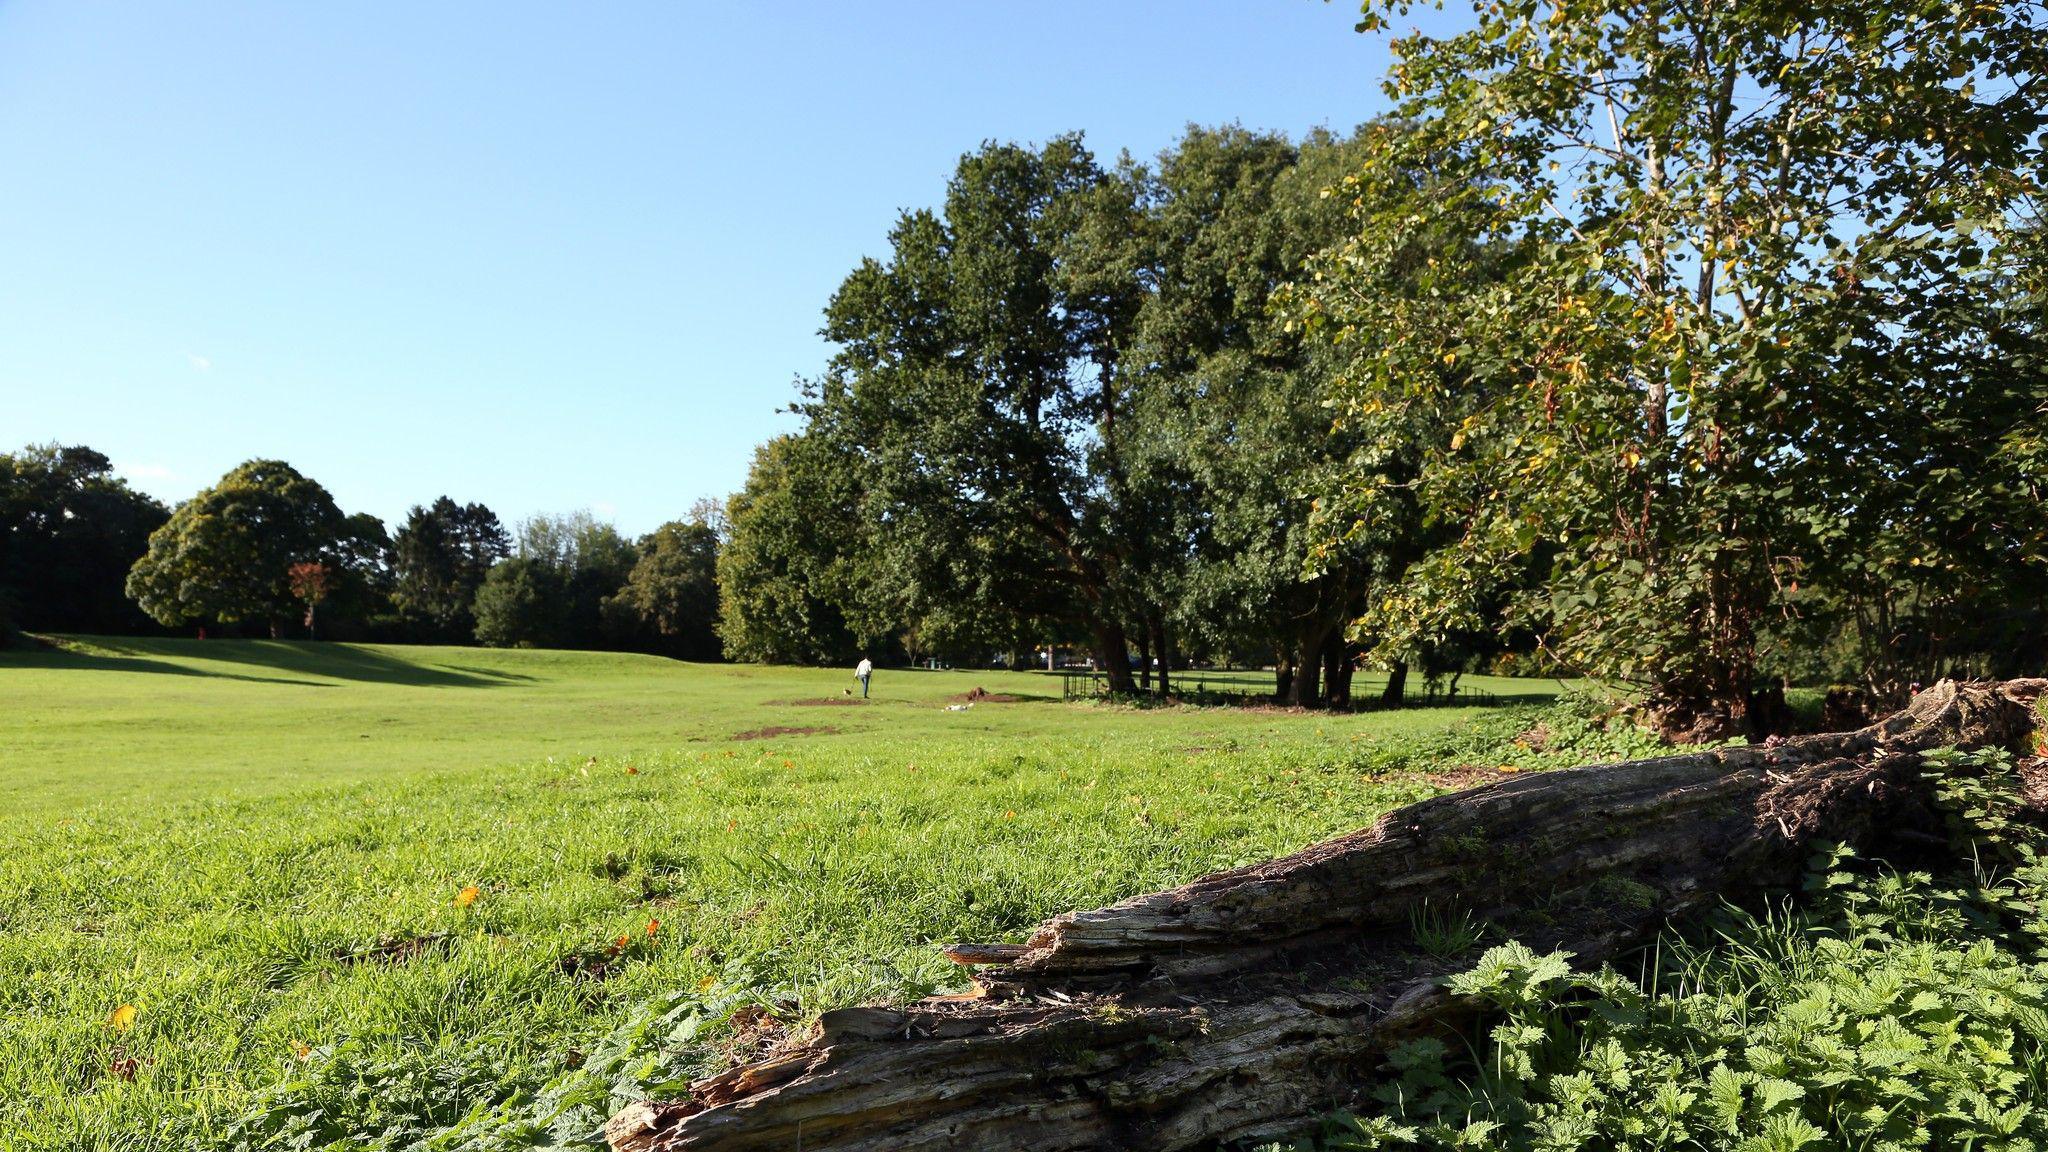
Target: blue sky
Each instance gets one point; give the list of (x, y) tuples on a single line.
[(546, 256)]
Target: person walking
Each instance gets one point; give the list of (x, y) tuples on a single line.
[(861, 672)]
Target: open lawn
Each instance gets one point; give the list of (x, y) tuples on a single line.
[(357, 895)]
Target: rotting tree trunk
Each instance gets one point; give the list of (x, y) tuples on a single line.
[(1248, 1003)]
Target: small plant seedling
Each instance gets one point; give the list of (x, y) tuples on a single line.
[(1444, 932)]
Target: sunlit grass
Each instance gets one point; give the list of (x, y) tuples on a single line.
[(263, 849)]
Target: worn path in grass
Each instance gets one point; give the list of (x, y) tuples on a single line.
[(260, 846)]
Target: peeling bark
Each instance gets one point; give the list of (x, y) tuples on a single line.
[(1248, 1003)]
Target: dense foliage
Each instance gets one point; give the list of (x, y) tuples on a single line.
[(1748, 333), (1063, 411), (1893, 1010), (439, 560), (69, 532)]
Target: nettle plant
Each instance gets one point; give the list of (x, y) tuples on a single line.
[(1893, 1011)]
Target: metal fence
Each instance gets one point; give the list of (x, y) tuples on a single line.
[(1237, 686)]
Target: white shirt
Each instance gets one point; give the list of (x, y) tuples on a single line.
[(864, 668)]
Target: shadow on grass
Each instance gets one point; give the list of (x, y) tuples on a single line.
[(109, 660), (293, 658)]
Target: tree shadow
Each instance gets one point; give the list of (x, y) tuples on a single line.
[(70, 659), (338, 662), (290, 660), (492, 673)]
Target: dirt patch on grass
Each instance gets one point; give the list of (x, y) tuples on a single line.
[(820, 702), (781, 730), (980, 695)]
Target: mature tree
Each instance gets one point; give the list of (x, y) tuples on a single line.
[(791, 560), (592, 560), (669, 603), (979, 374), (1230, 440), (523, 604), (226, 554), (69, 532), (552, 592), (1725, 204), (442, 554)]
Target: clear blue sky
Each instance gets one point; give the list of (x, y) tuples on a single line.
[(546, 256)]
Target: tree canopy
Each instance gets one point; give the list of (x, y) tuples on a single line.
[(226, 554), (1763, 303), (69, 531)]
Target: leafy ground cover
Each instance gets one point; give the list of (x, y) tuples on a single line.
[(277, 895), (1887, 1010)]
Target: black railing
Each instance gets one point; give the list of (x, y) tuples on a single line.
[(1196, 687)]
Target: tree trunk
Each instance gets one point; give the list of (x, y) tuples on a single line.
[(1283, 677), (1246, 1004), (1397, 684), (1113, 655), (1308, 669), (1164, 646), (1144, 657), (1337, 670)]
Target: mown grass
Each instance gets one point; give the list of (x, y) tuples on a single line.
[(261, 846)]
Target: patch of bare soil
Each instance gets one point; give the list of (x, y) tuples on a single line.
[(980, 695), (781, 730)]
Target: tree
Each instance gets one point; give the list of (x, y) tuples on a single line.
[(670, 599), (69, 532), (442, 555), (788, 571), (1726, 209), (311, 581), (1229, 440), (978, 382), (522, 604), (226, 554), (551, 593), (591, 560)]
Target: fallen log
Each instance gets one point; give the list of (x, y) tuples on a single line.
[(1248, 1003)]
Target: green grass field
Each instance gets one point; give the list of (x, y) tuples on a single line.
[(260, 847)]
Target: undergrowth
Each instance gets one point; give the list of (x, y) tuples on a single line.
[(1888, 1010)]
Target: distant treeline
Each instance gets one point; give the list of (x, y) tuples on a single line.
[(267, 552)]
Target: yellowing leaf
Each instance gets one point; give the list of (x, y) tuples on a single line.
[(467, 896), (122, 1019), (706, 984)]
